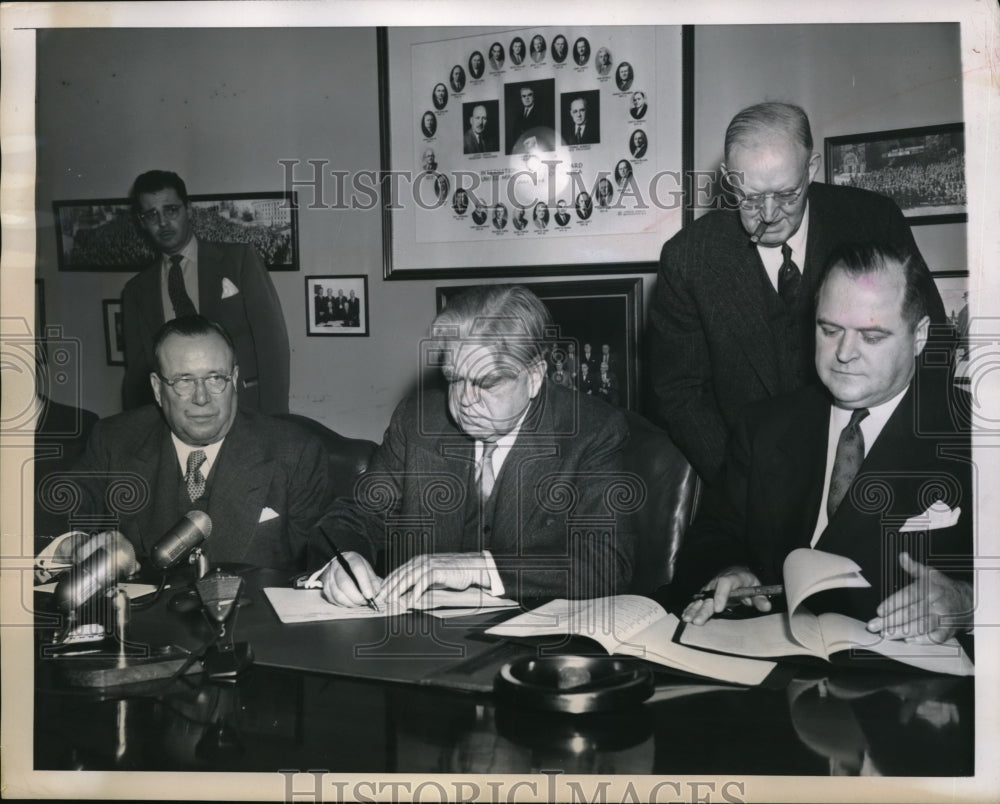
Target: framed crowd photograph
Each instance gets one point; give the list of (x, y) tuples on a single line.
[(337, 305), (103, 234), (114, 339), (921, 169), (596, 342), (557, 162)]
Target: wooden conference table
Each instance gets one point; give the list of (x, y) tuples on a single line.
[(412, 694)]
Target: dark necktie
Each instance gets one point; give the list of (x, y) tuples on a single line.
[(486, 476), (579, 134), (789, 276), (175, 288), (195, 479), (847, 462)]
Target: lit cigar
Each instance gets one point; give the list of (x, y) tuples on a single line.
[(759, 231)]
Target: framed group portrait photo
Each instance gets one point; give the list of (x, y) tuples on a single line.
[(529, 151), (337, 305)]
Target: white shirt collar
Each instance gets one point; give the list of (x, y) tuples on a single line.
[(504, 444)]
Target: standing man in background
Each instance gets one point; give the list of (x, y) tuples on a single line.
[(731, 318), (225, 282)]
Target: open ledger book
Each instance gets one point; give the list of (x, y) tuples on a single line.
[(632, 625), (799, 632)]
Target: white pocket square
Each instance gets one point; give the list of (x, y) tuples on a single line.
[(267, 514), (229, 289), (939, 515)]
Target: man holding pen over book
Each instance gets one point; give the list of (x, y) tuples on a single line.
[(868, 465), (496, 481)]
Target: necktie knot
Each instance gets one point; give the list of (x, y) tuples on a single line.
[(194, 479)]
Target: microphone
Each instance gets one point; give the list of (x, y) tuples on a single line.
[(108, 564), (192, 529)]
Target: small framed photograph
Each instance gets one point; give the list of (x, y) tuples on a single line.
[(921, 169), (337, 305), (114, 341), (595, 345)]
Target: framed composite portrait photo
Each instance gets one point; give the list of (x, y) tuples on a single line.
[(541, 151)]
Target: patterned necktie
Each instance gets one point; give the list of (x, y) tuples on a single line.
[(175, 288), (195, 479), (847, 462), (486, 476), (789, 276)]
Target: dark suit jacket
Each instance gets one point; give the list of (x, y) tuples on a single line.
[(263, 463), (712, 347), (421, 479), (470, 146), (768, 501), (252, 317)]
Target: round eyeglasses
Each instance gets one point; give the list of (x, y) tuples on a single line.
[(184, 386), (752, 203)]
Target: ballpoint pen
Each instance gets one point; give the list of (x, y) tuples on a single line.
[(744, 591)]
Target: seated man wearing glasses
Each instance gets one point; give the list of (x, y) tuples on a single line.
[(731, 315), (262, 481), (225, 282), (500, 480)]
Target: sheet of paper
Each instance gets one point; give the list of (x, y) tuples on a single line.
[(308, 605), (134, 590)]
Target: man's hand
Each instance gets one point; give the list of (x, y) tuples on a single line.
[(933, 607), (338, 587), (441, 570), (698, 612)]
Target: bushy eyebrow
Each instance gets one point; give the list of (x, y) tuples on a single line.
[(826, 323)]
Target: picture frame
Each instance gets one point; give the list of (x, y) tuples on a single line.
[(921, 169), (335, 317), (457, 206), (595, 312), (114, 337), (954, 289), (102, 234)]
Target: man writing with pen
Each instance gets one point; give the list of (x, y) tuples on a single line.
[(478, 484), (868, 465)]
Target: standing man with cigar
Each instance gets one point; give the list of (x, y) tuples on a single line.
[(731, 315)]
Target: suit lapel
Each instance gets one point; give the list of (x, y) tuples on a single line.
[(239, 490), (801, 452), (150, 295), (209, 280), (156, 459), (734, 268)]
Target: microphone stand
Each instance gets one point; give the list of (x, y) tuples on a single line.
[(220, 595), (187, 600)]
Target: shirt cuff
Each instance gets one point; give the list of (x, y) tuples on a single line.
[(496, 585)]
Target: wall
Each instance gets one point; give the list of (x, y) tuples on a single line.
[(221, 107), (849, 79)]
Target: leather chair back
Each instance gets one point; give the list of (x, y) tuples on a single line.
[(348, 457), (672, 491)]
